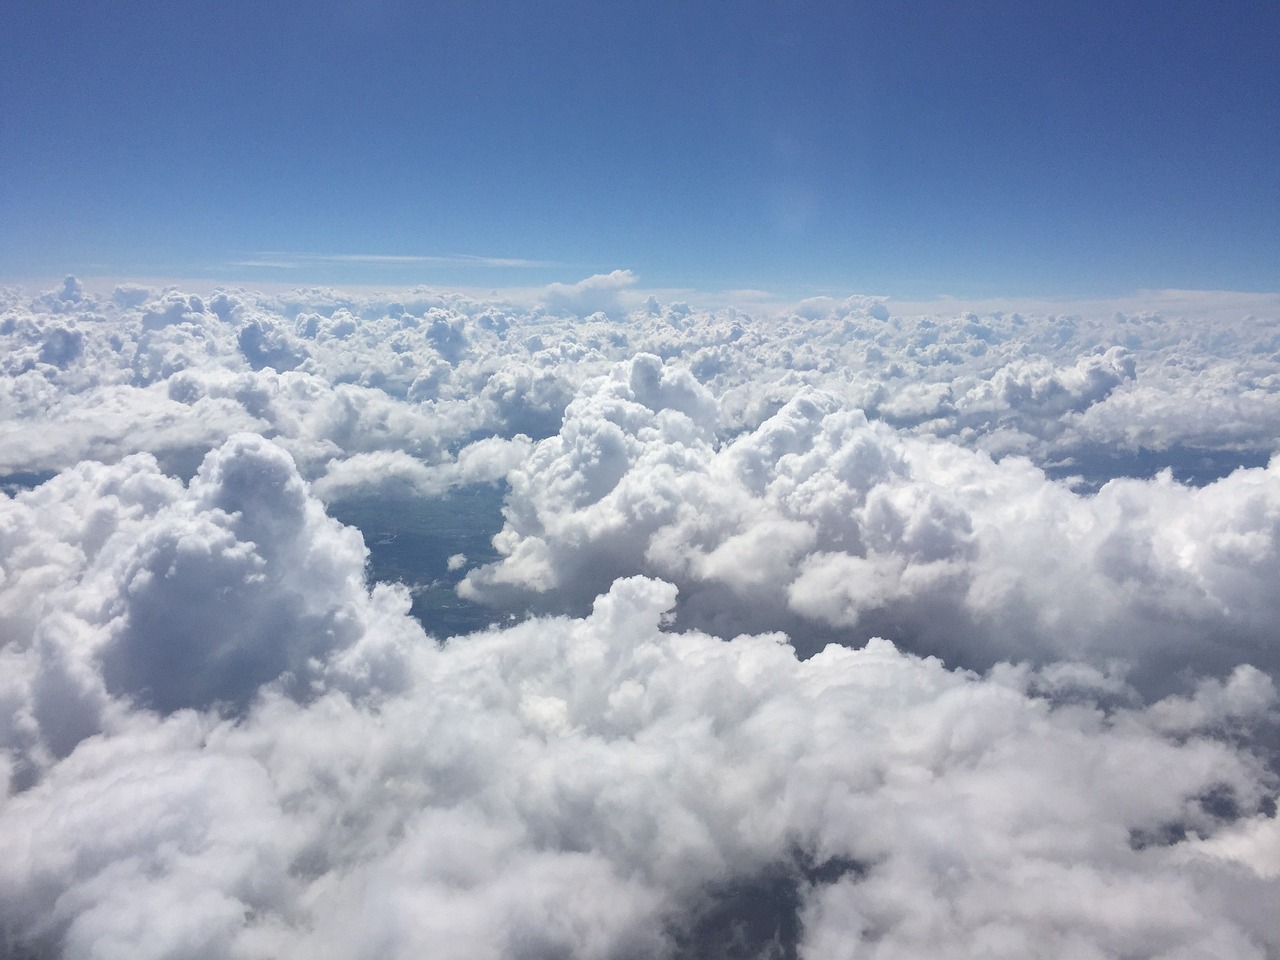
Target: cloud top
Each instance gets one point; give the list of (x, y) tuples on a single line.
[(820, 631)]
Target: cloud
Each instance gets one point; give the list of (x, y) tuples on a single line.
[(1056, 388), (599, 293), (828, 525), (267, 345), (393, 473), (294, 260), (170, 597), (599, 786), (808, 652)]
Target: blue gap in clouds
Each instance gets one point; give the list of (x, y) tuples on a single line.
[(410, 542), (1091, 467), (12, 484)]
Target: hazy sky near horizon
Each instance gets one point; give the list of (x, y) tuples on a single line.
[(905, 149)]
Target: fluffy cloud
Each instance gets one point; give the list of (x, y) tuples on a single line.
[(84, 375), (588, 787), (807, 654), (393, 472), (124, 588), (828, 525), (596, 294)]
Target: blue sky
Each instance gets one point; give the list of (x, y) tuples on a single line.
[(974, 149)]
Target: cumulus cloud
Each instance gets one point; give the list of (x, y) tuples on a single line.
[(599, 293), (127, 588), (586, 787), (814, 648), (828, 525), (1056, 388), (391, 473)]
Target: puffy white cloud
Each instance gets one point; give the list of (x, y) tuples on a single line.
[(395, 473), (601, 787), (829, 525), (219, 739), (124, 588), (1054, 387), (599, 293)]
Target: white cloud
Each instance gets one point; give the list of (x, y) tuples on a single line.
[(597, 787), (1056, 387), (292, 260), (217, 739), (599, 293), (822, 521), (393, 473)]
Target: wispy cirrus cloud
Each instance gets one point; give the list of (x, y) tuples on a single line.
[(282, 260)]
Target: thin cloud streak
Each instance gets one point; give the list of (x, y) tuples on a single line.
[(288, 261)]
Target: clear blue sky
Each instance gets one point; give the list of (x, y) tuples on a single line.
[(976, 148)]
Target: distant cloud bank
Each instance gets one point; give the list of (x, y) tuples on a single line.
[(827, 630)]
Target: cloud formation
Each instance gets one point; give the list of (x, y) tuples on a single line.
[(586, 787), (99, 377), (287, 260), (831, 526), (814, 649)]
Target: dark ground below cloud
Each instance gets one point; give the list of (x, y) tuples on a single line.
[(1194, 466), (411, 541)]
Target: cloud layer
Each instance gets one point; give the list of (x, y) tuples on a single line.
[(829, 525), (584, 787), (811, 650), (330, 376)]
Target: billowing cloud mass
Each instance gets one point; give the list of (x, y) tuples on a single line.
[(819, 631), (827, 524)]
